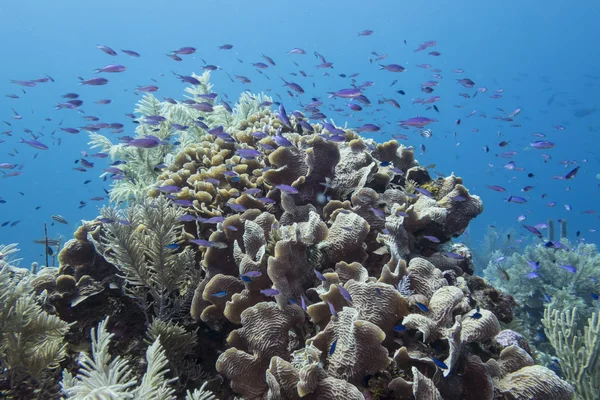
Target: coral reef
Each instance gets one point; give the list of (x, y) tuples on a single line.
[(288, 261)]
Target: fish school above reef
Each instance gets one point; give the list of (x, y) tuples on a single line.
[(273, 259)]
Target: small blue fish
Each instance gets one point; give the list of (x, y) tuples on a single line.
[(547, 298), (220, 294), (172, 246), (332, 309), (569, 268), (423, 307), (400, 328), (345, 294), (270, 292), (594, 296), (432, 238), (476, 314), (320, 276), (333, 346), (439, 363)]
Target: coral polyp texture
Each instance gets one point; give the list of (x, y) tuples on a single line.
[(293, 262)]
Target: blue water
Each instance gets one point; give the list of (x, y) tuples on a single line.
[(530, 50)]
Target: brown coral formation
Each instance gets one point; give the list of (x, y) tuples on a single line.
[(336, 229)]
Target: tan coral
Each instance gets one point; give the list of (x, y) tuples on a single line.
[(264, 334), (353, 270), (345, 239), (534, 382), (377, 303), (479, 329), (513, 358), (425, 278), (290, 270), (358, 350), (286, 383)]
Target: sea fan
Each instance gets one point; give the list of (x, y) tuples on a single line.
[(139, 249)]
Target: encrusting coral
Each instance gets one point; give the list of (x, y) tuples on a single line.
[(324, 259)]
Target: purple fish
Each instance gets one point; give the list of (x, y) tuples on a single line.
[(146, 89), (24, 83), (294, 86), (131, 53), (496, 188), (218, 245), (432, 238), (378, 213), (169, 189), (95, 82), (535, 265), (542, 144), (111, 68), (320, 276), (393, 67), (248, 153), (424, 192), (204, 107), (39, 145), (270, 292), (571, 174), (281, 141), (466, 82), (516, 199), (345, 294), (287, 188), (569, 268), (532, 275), (183, 202), (417, 122), (346, 93), (252, 274), (236, 207), (147, 142), (283, 116), (332, 309), (454, 256), (533, 230), (368, 128), (185, 51), (107, 50), (214, 220)]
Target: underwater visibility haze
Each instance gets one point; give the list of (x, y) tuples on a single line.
[(286, 200)]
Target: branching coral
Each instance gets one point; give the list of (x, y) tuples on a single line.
[(566, 275), (31, 341), (102, 376), (137, 241), (578, 351)]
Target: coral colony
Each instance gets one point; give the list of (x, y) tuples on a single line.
[(265, 257)]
